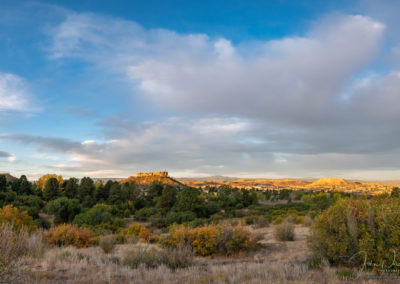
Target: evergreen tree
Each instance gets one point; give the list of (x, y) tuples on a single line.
[(64, 209), (3, 183), (51, 189), (168, 197), (25, 187), (86, 190), (71, 188)]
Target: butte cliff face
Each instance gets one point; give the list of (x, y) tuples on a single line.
[(149, 178)]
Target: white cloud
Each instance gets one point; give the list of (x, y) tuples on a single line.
[(14, 94), (295, 105)]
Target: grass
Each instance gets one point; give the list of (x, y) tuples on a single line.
[(284, 232)]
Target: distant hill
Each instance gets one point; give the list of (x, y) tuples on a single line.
[(148, 179), (9, 177), (330, 182), (210, 178)]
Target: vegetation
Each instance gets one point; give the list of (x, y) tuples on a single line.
[(170, 225)]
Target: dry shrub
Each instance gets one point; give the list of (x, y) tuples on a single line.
[(69, 235), (284, 232), (152, 258), (15, 244), (107, 243), (210, 240), (138, 231), (307, 221), (257, 221), (10, 214)]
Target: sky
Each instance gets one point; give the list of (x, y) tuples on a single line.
[(271, 89)]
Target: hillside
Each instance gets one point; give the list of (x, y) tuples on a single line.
[(331, 182), (9, 177), (147, 180)]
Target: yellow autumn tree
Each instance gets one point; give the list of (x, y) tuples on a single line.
[(42, 181)]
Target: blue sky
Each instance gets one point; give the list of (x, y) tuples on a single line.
[(243, 88)]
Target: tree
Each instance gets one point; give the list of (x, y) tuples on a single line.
[(41, 183), (64, 209), (115, 194), (168, 197), (189, 199), (25, 187), (86, 191), (3, 183), (155, 190), (51, 189), (395, 192), (71, 188)]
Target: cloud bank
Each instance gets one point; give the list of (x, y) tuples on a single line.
[(303, 105)]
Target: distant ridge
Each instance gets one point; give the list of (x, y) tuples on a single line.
[(329, 182), (9, 177), (145, 179)]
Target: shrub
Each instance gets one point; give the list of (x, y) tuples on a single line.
[(210, 240), (19, 219), (66, 235), (14, 244), (257, 221), (284, 232), (107, 243), (144, 213), (99, 219), (204, 240), (357, 229), (151, 258)]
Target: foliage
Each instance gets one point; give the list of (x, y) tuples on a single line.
[(210, 240), (107, 243), (71, 188), (18, 219), (51, 189), (3, 183), (67, 234), (99, 218), (64, 209), (41, 183), (355, 230), (86, 192), (151, 258), (284, 232), (168, 197)]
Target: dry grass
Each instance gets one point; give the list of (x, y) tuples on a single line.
[(276, 262), (284, 232)]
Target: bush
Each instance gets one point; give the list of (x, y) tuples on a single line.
[(257, 221), (210, 240), (64, 209), (66, 235), (151, 258), (284, 232), (107, 243), (144, 213), (19, 220), (357, 229), (15, 244), (99, 219)]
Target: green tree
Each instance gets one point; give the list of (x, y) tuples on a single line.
[(51, 189), (395, 192), (155, 190), (189, 200), (86, 191), (64, 209), (3, 183), (115, 194), (25, 187), (168, 197), (71, 188)]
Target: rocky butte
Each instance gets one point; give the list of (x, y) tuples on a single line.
[(149, 178)]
